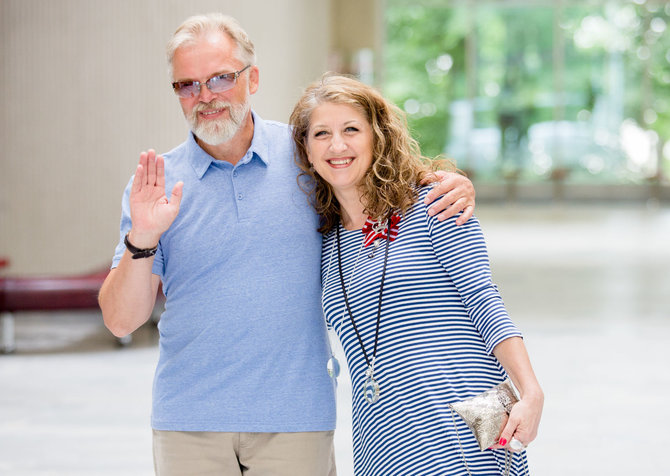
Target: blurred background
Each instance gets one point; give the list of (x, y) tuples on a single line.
[(559, 111), (539, 100), (552, 99)]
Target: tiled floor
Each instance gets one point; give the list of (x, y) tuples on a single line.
[(589, 286)]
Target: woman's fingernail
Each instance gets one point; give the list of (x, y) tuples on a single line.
[(502, 442), (431, 212)]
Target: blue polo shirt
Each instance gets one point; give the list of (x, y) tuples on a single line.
[(243, 344)]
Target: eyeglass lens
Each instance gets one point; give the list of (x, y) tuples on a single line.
[(216, 84), (221, 82)]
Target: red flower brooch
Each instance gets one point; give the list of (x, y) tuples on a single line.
[(374, 229)]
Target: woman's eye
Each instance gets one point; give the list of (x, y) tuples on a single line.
[(351, 129), (319, 133)]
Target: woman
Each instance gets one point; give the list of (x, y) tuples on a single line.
[(420, 321)]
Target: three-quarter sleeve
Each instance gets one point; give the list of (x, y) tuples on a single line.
[(462, 252)]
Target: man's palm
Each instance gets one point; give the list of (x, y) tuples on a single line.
[(150, 210)]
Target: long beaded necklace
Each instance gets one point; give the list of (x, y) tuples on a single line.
[(370, 386)]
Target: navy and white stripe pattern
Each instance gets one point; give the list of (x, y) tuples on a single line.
[(441, 318)]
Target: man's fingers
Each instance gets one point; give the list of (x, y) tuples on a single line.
[(467, 214), (151, 167), (150, 172), (175, 196), (160, 172), (444, 187), (443, 201), (435, 176), (450, 209), (138, 179), (144, 161)]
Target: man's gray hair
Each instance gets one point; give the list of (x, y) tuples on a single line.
[(196, 26)]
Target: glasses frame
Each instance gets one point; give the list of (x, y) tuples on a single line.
[(180, 85)]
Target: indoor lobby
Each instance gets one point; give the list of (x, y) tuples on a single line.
[(559, 111)]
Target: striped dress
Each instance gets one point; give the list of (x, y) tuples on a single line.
[(441, 318)]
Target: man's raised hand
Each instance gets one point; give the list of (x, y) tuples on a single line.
[(150, 210)]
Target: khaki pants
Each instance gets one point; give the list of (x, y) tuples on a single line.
[(193, 453)]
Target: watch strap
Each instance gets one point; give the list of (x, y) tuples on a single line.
[(138, 253)]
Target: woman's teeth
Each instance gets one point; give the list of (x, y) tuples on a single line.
[(340, 161)]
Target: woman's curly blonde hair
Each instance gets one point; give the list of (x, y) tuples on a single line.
[(390, 185)]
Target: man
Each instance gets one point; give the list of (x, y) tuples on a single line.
[(241, 385)]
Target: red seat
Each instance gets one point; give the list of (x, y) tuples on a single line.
[(52, 293)]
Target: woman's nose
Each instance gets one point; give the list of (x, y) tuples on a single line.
[(337, 144)]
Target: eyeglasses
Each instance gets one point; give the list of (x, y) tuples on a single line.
[(216, 84)]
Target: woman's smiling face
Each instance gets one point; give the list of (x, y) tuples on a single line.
[(339, 145)]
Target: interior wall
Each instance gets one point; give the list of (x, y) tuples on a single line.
[(357, 25), (86, 89)]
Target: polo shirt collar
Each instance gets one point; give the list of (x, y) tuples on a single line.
[(201, 160), (260, 145)]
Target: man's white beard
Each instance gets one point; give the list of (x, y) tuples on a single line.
[(217, 131)]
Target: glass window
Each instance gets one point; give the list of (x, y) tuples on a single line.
[(537, 90)]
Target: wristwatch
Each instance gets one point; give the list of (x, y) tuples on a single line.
[(137, 252)]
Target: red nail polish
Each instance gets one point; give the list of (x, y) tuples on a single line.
[(502, 442)]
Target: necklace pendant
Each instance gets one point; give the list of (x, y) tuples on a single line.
[(375, 245), (370, 386), (371, 390), (333, 367)]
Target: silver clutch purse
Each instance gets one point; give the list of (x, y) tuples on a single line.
[(486, 414)]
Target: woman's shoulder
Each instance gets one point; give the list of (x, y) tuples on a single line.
[(421, 192), (417, 215), (420, 209)]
